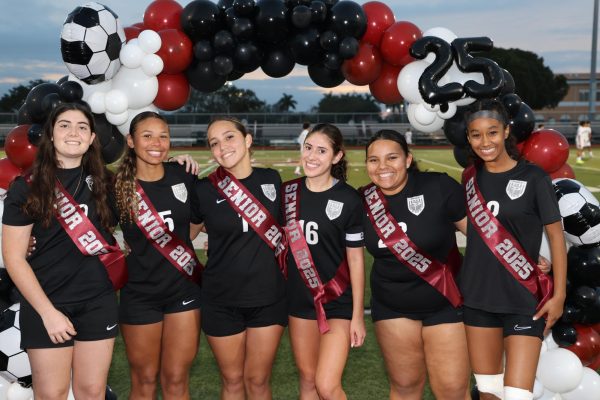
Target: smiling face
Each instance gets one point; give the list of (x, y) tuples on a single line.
[(387, 165), (486, 137), (72, 137), (151, 141), (318, 155), (228, 144)]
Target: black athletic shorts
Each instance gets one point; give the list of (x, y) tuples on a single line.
[(332, 310), (511, 324), (93, 320), (446, 315), (140, 309), (220, 320)]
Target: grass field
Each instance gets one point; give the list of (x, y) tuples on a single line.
[(364, 376)]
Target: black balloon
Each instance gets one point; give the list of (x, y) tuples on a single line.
[(109, 394), (277, 63), (564, 334), (584, 265), (474, 393), (203, 50), (200, 19), (242, 28), (50, 102), (329, 41), (70, 91), (492, 73), (104, 129), (301, 17), (455, 128), (318, 11), (244, 8), (201, 76), (271, 21), (509, 83), (571, 314), (35, 98), (305, 47), (34, 134), (512, 103), (348, 48), (583, 296), (23, 117), (62, 79), (330, 3), (523, 123), (223, 42), (332, 60), (224, 4), (234, 75), (348, 19), (325, 77), (223, 65), (246, 57), (114, 149), (461, 155), (591, 314)]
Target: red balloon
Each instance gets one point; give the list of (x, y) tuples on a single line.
[(547, 148), (8, 172), (385, 87), (18, 149), (364, 67), (131, 32), (587, 346), (176, 51), (173, 91), (139, 25), (396, 41), (379, 18), (163, 14), (563, 172), (595, 365)]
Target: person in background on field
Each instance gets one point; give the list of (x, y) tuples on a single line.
[(540, 127), (418, 322), (300, 140), (324, 227), (588, 143), (69, 311), (408, 136), (582, 140), (508, 301)]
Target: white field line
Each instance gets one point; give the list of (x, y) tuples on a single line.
[(439, 164), (586, 168)]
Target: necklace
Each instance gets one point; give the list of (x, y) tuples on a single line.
[(78, 182)]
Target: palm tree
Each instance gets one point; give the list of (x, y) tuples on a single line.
[(285, 103)]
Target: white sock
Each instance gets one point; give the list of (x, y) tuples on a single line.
[(513, 393)]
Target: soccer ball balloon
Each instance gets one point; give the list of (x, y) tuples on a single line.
[(580, 212), (90, 42), (14, 363)]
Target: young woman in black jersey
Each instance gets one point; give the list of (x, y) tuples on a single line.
[(160, 304), (326, 211), (69, 311), (418, 324), (243, 302), (510, 202)]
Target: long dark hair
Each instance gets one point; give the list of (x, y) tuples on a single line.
[(339, 170), (395, 136), (236, 122), (41, 200), (510, 143), (125, 191)]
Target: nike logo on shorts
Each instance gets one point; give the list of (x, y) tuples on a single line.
[(220, 201), (521, 328), (185, 302), (110, 327)]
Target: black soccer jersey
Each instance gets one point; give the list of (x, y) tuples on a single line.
[(331, 221), (241, 270), (150, 273), (426, 210), (66, 275), (523, 200)]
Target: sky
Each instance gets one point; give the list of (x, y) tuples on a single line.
[(560, 31)]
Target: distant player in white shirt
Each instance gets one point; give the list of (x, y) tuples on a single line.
[(583, 140), (408, 136), (301, 138)]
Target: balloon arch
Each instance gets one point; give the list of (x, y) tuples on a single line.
[(151, 65)]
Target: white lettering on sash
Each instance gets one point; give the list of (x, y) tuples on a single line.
[(482, 220)]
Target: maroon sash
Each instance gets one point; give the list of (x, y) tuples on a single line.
[(502, 244), (87, 238), (164, 241), (337, 285), (437, 274), (253, 212)]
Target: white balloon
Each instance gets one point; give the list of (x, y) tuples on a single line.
[(2, 195), (96, 102), (408, 81), (131, 55), (437, 124), (549, 340), (117, 119), (18, 392), (588, 389), (442, 33), (559, 370), (4, 385), (449, 113), (424, 115), (137, 86), (152, 65), (124, 128), (545, 247), (548, 395), (88, 90), (116, 102), (538, 389), (149, 41)]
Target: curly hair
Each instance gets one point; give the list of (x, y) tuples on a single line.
[(339, 170), (41, 200)]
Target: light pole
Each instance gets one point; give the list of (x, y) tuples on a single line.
[(592, 110)]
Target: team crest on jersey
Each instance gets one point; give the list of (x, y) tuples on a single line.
[(333, 209), (90, 182), (515, 189), (416, 204), (180, 192), (269, 191)]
